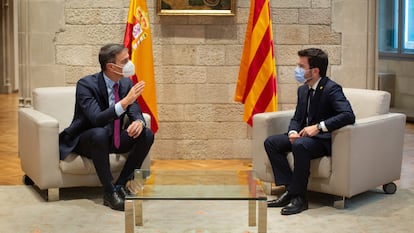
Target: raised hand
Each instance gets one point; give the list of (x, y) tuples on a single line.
[(133, 94)]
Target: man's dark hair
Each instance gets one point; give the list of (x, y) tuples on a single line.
[(108, 52), (317, 58)]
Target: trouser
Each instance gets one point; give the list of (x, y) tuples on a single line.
[(97, 144), (304, 149)]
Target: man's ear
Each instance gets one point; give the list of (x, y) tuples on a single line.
[(108, 66), (315, 71)]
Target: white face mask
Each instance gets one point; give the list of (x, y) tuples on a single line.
[(127, 70)]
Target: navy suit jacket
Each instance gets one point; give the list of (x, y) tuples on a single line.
[(329, 104), (92, 110)]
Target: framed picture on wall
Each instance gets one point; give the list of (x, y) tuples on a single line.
[(196, 7)]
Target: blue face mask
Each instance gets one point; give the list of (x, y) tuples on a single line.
[(300, 75)]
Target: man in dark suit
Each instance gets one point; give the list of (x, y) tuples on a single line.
[(102, 101), (321, 108)]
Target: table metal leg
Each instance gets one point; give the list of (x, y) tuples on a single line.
[(129, 216), (138, 213), (252, 212), (262, 217)]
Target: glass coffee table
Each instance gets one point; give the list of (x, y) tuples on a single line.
[(196, 185)]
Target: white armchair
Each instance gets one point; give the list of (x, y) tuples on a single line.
[(364, 155), (38, 136)]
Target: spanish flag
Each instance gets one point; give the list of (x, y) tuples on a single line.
[(138, 40), (256, 85)]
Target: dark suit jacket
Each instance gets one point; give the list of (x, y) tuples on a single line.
[(329, 104), (92, 110)]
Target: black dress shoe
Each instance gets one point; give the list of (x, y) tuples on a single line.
[(281, 201), (296, 205), (114, 201), (122, 192)]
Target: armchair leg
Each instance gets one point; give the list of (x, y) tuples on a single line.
[(267, 187), (53, 194), (339, 202)]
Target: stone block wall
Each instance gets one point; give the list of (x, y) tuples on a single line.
[(404, 83), (197, 62)]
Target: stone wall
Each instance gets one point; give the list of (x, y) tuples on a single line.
[(404, 83), (8, 47), (197, 61)]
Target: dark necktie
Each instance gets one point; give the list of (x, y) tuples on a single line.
[(310, 95), (117, 123)]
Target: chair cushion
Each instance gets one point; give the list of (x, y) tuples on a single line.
[(320, 167), (80, 165)]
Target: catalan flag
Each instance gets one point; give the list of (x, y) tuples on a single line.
[(138, 40), (256, 85)]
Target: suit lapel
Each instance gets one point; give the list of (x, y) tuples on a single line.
[(316, 98), (103, 90), (303, 103), (123, 87)]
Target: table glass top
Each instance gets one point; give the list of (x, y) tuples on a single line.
[(196, 185)]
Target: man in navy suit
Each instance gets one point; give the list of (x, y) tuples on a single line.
[(102, 101), (321, 108)]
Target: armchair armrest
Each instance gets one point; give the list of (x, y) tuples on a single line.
[(147, 119), (146, 164), (264, 125), (372, 144), (39, 147)]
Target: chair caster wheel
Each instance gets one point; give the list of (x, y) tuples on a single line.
[(27, 181), (390, 188)]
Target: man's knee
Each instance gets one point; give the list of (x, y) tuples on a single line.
[(146, 137), (299, 143), (99, 136), (149, 136), (268, 143), (300, 148), (278, 142)]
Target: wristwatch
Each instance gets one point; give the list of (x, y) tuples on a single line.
[(319, 126), (143, 123)]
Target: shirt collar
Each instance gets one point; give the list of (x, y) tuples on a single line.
[(108, 81), (315, 85)]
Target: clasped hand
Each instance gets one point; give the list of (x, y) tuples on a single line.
[(135, 129), (308, 131)]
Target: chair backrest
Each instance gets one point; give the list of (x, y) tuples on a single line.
[(58, 102), (366, 103)]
